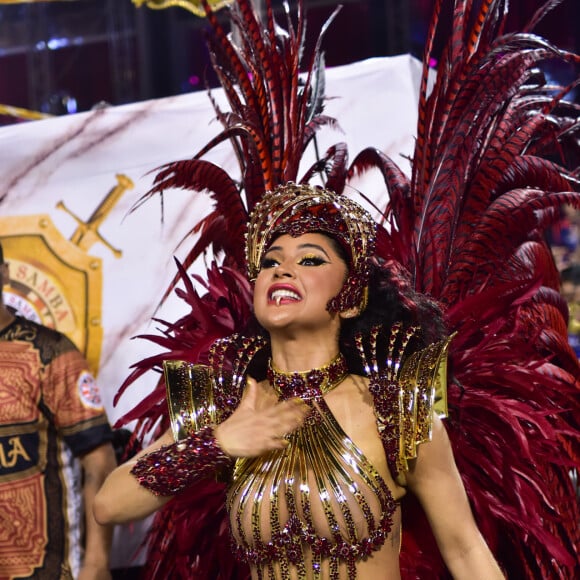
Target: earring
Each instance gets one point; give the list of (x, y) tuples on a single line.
[(350, 312)]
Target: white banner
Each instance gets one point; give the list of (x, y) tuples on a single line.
[(79, 169)]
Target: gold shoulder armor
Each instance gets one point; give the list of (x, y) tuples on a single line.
[(423, 391), (189, 397)]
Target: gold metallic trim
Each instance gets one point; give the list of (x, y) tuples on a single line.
[(423, 381), (189, 397), (18, 112), (194, 6)]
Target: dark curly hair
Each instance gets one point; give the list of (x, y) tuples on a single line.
[(392, 299)]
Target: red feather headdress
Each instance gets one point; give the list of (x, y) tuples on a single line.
[(487, 180)]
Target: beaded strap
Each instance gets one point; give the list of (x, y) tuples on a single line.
[(173, 468)]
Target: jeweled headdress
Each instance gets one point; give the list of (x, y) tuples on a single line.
[(298, 209)]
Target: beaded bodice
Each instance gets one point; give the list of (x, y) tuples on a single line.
[(316, 507)]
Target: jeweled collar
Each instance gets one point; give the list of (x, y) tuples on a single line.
[(308, 384)]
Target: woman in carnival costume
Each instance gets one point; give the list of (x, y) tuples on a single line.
[(317, 460), (316, 491)]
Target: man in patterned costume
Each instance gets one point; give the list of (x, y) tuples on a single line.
[(55, 451)]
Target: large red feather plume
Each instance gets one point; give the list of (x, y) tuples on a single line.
[(489, 172), (469, 226)]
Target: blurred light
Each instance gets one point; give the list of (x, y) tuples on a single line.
[(56, 43), (71, 105), (60, 103)]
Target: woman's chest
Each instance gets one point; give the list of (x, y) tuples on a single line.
[(327, 489)]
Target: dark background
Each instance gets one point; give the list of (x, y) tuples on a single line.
[(59, 57)]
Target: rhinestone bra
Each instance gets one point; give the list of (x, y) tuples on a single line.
[(319, 499)]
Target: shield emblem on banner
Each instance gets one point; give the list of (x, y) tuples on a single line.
[(53, 281)]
